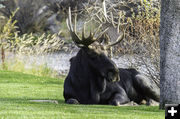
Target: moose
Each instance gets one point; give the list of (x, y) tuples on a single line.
[(93, 78)]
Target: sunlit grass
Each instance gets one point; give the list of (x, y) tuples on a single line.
[(16, 89)]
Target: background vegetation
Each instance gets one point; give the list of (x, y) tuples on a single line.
[(38, 27)]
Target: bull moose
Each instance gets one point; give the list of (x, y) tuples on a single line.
[(93, 78)]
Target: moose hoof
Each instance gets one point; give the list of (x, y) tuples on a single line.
[(72, 101), (115, 103)]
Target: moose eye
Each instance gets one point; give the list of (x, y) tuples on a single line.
[(100, 56)]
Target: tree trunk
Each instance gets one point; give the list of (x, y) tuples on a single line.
[(170, 52)]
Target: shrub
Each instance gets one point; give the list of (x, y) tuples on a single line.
[(31, 43), (37, 44)]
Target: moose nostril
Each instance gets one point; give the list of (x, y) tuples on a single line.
[(111, 77), (118, 79), (110, 74)]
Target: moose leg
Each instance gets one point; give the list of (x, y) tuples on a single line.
[(97, 87), (147, 87), (69, 93), (119, 98), (72, 101)]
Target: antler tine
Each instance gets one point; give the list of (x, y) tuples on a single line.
[(74, 36), (99, 36), (104, 8), (97, 29), (69, 21), (83, 31), (119, 39), (75, 18)]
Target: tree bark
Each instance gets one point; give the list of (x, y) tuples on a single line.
[(170, 52)]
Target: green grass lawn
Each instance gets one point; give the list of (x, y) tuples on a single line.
[(16, 89)]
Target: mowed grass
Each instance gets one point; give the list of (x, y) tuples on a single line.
[(16, 89)]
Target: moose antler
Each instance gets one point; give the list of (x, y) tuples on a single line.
[(119, 39), (84, 42)]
